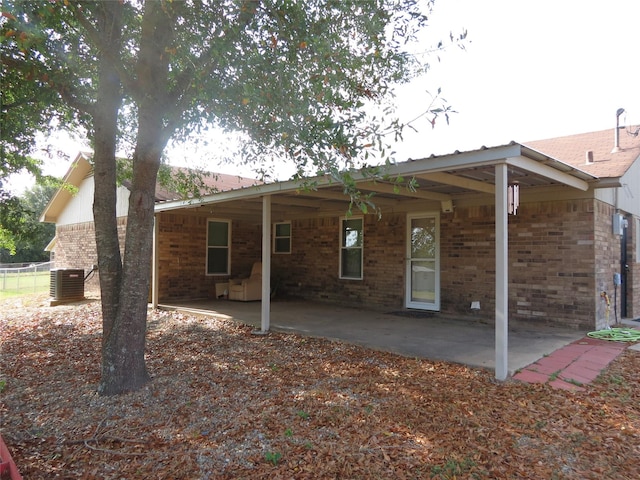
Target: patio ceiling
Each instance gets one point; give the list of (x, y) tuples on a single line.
[(438, 179)]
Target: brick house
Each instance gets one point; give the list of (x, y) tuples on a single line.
[(533, 232), (71, 209)]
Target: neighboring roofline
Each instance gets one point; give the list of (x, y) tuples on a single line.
[(80, 169), (513, 153)]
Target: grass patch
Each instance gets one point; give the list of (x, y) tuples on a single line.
[(452, 468), (7, 294), (14, 285)]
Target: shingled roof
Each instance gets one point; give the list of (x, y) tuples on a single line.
[(606, 163), (206, 183)]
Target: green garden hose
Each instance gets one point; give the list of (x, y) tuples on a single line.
[(617, 335)]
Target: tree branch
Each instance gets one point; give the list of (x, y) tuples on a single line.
[(99, 41), (66, 91)]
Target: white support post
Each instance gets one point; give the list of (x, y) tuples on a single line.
[(266, 263), (154, 264), (502, 273)]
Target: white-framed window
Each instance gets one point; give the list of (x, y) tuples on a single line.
[(282, 237), (218, 246), (351, 247)]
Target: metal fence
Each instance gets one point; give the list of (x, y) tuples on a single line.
[(32, 277)]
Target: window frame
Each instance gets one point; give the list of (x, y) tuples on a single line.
[(276, 237), (208, 247), (343, 248)]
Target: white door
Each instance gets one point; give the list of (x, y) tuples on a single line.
[(423, 261)]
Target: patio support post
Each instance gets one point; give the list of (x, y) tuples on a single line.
[(266, 263), (502, 273), (154, 264)]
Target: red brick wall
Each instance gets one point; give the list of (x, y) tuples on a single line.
[(607, 252), (76, 247), (552, 244), (467, 260), (551, 263), (312, 270), (608, 256), (182, 243), (551, 272), (181, 257), (550, 268)]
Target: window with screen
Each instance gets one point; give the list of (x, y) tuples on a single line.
[(218, 247), (282, 237), (351, 248)]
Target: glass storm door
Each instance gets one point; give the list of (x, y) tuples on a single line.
[(423, 262)]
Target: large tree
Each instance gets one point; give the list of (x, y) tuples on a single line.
[(29, 235), (295, 77)]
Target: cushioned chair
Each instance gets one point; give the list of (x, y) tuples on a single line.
[(248, 289)]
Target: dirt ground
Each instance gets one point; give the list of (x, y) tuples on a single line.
[(226, 404)]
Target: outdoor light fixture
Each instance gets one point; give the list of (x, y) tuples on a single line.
[(513, 198)]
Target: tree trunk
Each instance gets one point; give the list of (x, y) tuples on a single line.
[(105, 119), (123, 348)]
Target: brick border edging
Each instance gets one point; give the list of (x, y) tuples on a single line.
[(574, 365)]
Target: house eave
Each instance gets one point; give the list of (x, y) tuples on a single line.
[(447, 170), (78, 171)]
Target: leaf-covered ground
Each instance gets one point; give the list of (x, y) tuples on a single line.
[(226, 404)]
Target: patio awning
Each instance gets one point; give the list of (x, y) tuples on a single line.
[(442, 180)]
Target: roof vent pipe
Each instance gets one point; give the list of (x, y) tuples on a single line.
[(616, 135), (589, 157)]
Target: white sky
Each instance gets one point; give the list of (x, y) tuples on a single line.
[(532, 69)]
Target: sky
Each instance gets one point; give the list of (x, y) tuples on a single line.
[(530, 70)]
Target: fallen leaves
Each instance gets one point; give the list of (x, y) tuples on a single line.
[(226, 404)]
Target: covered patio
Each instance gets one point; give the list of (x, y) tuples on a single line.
[(460, 180), (464, 340)]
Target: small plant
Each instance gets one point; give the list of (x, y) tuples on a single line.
[(554, 376), (274, 367), (3, 384), (302, 414), (273, 457), (288, 433), (574, 382), (616, 379), (453, 468)]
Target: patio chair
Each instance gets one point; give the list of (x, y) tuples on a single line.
[(248, 289)]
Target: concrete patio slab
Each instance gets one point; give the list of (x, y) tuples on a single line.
[(467, 341)]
